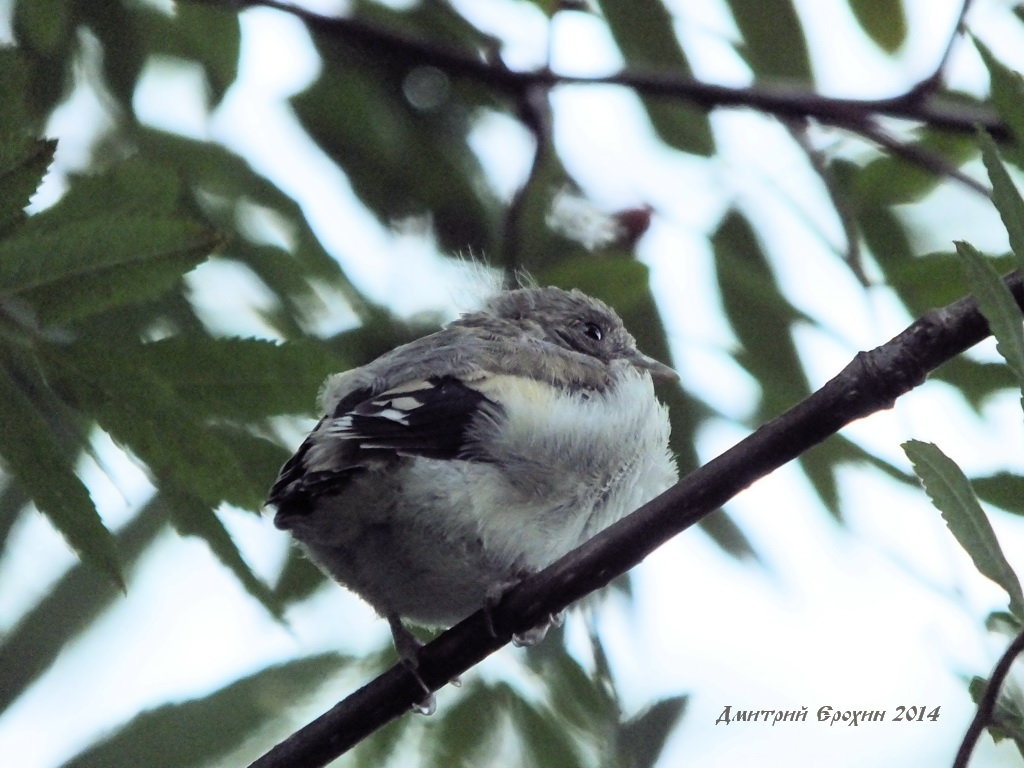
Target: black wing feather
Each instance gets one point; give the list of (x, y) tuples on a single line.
[(430, 420)]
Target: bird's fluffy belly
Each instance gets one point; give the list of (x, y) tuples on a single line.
[(443, 536), (403, 564)]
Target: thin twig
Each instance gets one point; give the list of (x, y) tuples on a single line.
[(987, 706), (780, 99), (959, 29), (930, 161), (934, 81), (919, 104)]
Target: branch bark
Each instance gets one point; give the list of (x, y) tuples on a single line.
[(872, 381), (985, 715), (919, 104)]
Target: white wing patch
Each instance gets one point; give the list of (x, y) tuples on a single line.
[(416, 418), (395, 414), (406, 403)]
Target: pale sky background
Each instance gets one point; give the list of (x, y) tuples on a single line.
[(854, 616)]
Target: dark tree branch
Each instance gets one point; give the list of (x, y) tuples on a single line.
[(871, 382), (987, 706), (922, 91), (930, 161), (919, 104), (785, 100)]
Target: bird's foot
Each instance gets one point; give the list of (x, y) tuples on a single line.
[(408, 647), (535, 634), (531, 636)]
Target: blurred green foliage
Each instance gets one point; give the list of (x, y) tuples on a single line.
[(97, 330)]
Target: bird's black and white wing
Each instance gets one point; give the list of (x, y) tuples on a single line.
[(427, 417)]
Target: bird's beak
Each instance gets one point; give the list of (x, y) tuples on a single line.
[(658, 371)]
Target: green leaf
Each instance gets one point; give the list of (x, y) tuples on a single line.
[(192, 517), (134, 186), (930, 280), (116, 26), (203, 731), (114, 239), (261, 457), (642, 738), (550, 7), (998, 305), (215, 170), (469, 730), (762, 319), (298, 275), (951, 493), (885, 234), (773, 39), (759, 314), (1003, 622), (416, 159), (1005, 195), (22, 167), (39, 465), (299, 578), (577, 697), (380, 747), (728, 535), (76, 251), (204, 33), (1002, 489), (645, 33), (438, 22), (15, 123), (42, 26), (543, 738), (884, 21), (13, 501), (241, 378), (976, 381), (68, 608), (141, 411), (195, 465), (822, 461), (1007, 95), (890, 179), (90, 266), (1007, 717)]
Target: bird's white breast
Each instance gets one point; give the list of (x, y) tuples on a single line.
[(569, 463)]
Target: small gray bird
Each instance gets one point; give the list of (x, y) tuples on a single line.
[(451, 467)]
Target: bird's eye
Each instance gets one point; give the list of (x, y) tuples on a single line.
[(594, 331)]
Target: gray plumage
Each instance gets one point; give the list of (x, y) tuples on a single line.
[(447, 469)]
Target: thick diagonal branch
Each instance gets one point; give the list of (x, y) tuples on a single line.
[(871, 382)]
